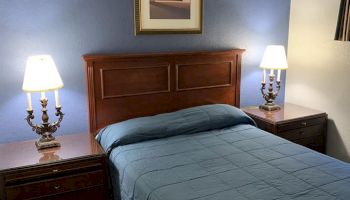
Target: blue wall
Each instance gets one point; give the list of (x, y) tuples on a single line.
[(67, 29)]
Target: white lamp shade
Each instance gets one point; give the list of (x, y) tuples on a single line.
[(274, 58), (41, 74)]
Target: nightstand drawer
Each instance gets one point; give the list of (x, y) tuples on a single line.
[(301, 133), (315, 143), (55, 186), (300, 124), (264, 126), (295, 123), (76, 170), (95, 193), (55, 170)]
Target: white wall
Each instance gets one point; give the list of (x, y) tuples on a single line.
[(319, 73)]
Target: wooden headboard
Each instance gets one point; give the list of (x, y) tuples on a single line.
[(121, 87)]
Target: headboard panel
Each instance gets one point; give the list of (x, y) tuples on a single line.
[(121, 87)]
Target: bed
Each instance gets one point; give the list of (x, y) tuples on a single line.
[(172, 129)]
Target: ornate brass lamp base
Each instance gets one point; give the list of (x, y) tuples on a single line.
[(271, 95), (46, 129), (47, 143), (270, 107)]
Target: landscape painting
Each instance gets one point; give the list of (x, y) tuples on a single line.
[(170, 9), (168, 16)]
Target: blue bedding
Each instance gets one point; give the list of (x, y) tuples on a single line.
[(215, 153)]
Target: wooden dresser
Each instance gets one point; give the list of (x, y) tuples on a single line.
[(298, 124), (76, 170)]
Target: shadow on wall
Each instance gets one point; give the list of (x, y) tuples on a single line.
[(333, 138)]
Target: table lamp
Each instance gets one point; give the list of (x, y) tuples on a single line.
[(274, 59), (41, 75)]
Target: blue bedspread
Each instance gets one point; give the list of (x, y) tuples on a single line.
[(234, 162)]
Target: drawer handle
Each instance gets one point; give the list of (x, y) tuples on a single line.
[(303, 123), (55, 170), (57, 187)]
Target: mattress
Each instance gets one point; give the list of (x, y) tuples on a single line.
[(234, 162)]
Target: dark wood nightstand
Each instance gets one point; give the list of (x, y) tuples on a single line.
[(298, 124), (76, 170)]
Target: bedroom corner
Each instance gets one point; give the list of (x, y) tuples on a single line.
[(174, 99), (319, 69)]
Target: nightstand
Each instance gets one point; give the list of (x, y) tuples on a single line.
[(295, 123), (76, 170)]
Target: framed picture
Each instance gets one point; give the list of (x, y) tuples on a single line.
[(168, 16)]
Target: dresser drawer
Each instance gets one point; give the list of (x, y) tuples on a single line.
[(55, 186), (300, 124), (300, 133), (55, 170)]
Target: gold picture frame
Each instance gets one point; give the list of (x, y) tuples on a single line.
[(179, 17)]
